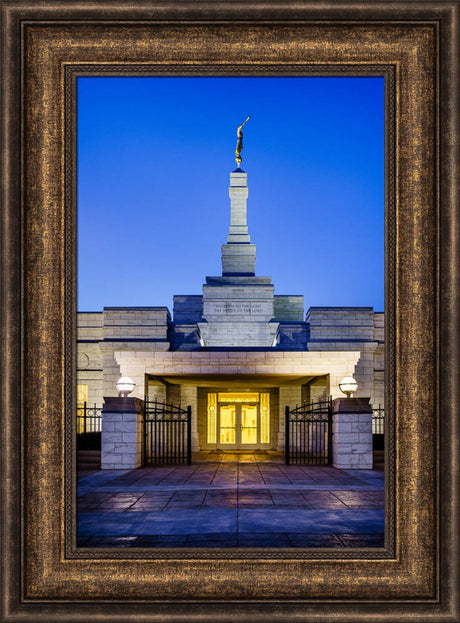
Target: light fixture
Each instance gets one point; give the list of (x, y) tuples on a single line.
[(125, 386), (348, 386)]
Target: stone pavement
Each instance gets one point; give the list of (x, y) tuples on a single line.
[(246, 500)]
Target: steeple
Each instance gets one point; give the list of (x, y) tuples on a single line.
[(238, 254), (238, 307)]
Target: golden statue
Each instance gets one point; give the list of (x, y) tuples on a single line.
[(239, 144)]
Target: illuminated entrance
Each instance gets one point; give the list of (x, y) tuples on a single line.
[(239, 420)]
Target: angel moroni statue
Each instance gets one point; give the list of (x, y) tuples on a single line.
[(239, 143)]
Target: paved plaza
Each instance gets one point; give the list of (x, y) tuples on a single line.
[(236, 500)]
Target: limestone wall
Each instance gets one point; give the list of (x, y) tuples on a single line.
[(294, 364), (288, 308), (188, 308), (289, 396), (99, 334), (238, 315), (89, 355), (189, 398), (143, 332), (184, 336), (202, 405), (122, 436), (352, 439), (350, 329), (156, 391), (136, 323), (90, 325), (293, 335)]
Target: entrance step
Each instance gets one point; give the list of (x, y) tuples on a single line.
[(379, 457), (88, 459), (238, 456)]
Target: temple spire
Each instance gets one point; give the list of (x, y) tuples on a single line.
[(238, 254), (238, 193)]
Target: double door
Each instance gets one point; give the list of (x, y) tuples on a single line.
[(239, 426)]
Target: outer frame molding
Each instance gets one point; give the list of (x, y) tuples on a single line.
[(418, 580)]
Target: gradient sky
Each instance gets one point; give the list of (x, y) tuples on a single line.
[(154, 157)]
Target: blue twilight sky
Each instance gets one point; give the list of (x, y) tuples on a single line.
[(154, 157)]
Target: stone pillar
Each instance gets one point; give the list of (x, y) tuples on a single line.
[(156, 392), (291, 396), (352, 438), (122, 433), (111, 372), (318, 389), (189, 397), (173, 394)]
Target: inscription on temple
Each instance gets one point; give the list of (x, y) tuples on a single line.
[(237, 308)]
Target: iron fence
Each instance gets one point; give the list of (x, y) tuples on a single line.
[(378, 428), (167, 433), (89, 419), (309, 433), (89, 426), (378, 420)]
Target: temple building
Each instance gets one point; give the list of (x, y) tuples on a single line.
[(237, 353)]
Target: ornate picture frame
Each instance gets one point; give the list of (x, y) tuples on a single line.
[(45, 45)]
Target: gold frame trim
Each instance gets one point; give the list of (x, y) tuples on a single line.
[(418, 578)]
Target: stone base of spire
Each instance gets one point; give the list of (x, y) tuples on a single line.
[(234, 334), (238, 311), (239, 259)]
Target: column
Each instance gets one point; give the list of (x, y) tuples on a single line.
[(122, 433), (189, 397), (289, 396), (352, 438)]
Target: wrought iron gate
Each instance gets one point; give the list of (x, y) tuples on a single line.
[(378, 428), (89, 422), (168, 433), (309, 433)]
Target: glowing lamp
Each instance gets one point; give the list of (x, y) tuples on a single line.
[(125, 386), (348, 386)]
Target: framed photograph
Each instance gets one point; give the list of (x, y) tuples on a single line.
[(49, 50), (258, 461)]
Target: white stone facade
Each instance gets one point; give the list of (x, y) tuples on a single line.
[(352, 438), (238, 335), (122, 434)]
